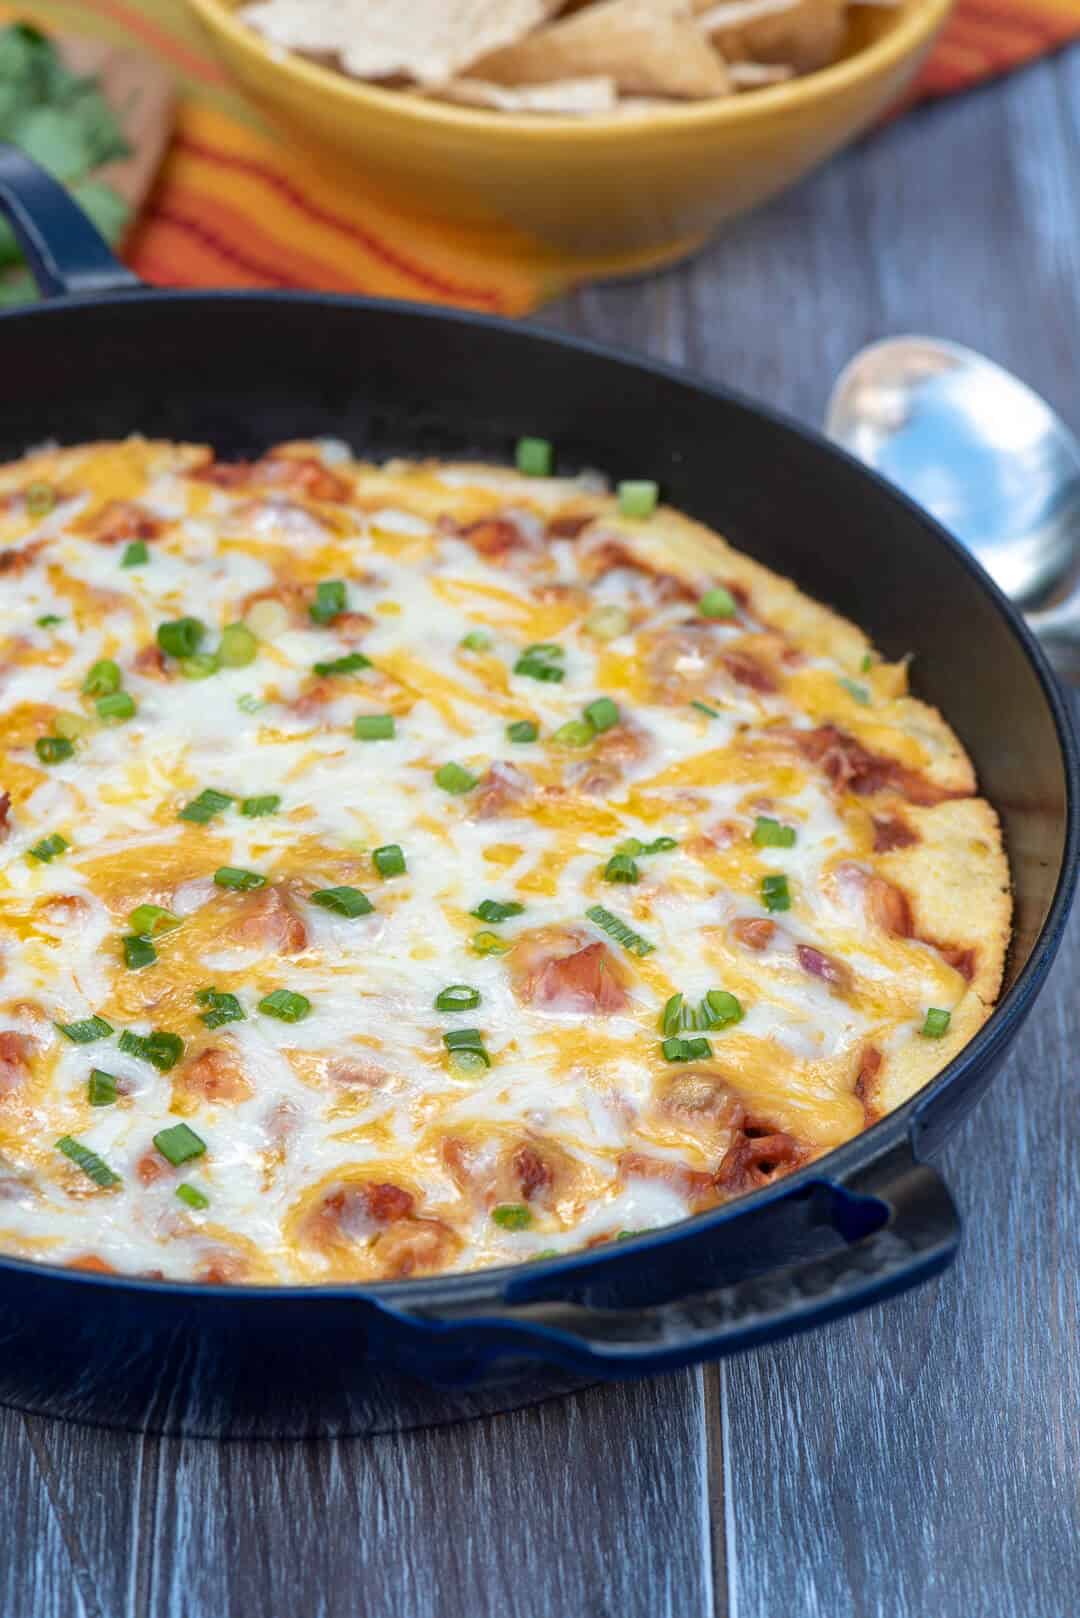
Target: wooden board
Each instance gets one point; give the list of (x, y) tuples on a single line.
[(918, 1462)]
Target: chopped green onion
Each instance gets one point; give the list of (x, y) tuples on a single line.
[(660, 845), (148, 920), (858, 692), (717, 603), (86, 1031), (203, 808), (231, 876), (602, 714), (545, 1253), (255, 808), (135, 554), (162, 1050), (179, 1144), (138, 952), (719, 1009), (575, 733), (542, 661), (193, 1197), (343, 901), (607, 623), (374, 727), (468, 1062), (627, 1235), (619, 931), (495, 910), (686, 1050), (512, 1216), (49, 620), (40, 499), (454, 778), (522, 730), (238, 647), (775, 894), (351, 663), (120, 706), (457, 997), (389, 860), (93, 1166), (329, 601), (769, 833), (181, 637), (490, 944), (477, 640), (102, 679), (219, 1008), (703, 707), (100, 1088), (637, 499), (73, 726), (248, 702), (49, 847), (630, 845), (534, 457), (867, 663), (53, 749), (936, 1024), (676, 1016), (621, 868), (200, 666), (466, 1048), (285, 1005)]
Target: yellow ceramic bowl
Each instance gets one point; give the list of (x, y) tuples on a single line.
[(618, 193)]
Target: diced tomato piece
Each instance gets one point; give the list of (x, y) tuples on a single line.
[(267, 921), (756, 932), (15, 1052), (814, 962), (216, 1074), (557, 971), (500, 792)]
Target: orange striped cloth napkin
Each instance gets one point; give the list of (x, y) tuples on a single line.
[(234, 207)]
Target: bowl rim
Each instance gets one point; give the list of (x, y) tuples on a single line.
[(914, 22)]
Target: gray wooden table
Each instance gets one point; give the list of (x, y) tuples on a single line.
[(921, 1461)]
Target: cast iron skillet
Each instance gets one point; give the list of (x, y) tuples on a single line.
[(104, 356)]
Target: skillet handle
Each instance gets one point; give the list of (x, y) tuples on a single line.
[(915, 1236), (64, 251)]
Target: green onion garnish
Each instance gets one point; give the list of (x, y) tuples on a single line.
[(255, 808), (238, 647), (200, 666), (512, 1216), (466, 1048), (775, 894), (637, 499), (522, 730), (203, 808), (351, 663), (53, 749), (936, 1024), (602, 714), (490, 944), (285, 1005), (703, 707), (542, 661), (477, 640), (179, 1144), (49, 847), (160, 1049), (719, 1009), (858, 692), (219, 1008), (686, 1050), (717, 603), (231, 876), (457, 997), (494, 910), (619, 931), (676, 1016), (659, 845), (454, 778), (389, 860), (534, 457), (769, 833), (118, 707), (374, 727), (102, 679), (93, 1166), (193, 1197), (343, 901), (40, 499), (135, 554), (621, 868), (100, 1088), (149, 920), (248, 702), (575, 733), (181, 637), (329, 601), (49, 620), (138, 952), (867, 663), (86, 1031)]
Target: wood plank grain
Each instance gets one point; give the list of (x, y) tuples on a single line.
[(37, 1577)]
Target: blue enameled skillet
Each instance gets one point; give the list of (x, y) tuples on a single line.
[(102, 356)]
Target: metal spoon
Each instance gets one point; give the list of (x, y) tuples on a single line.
[(984, 455)]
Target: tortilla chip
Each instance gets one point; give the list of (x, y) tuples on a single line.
[(574, 97), (754, 75), (649, 47), (803, 34), (429, 41)]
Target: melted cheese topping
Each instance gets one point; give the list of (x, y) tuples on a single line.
[(349, 1143)]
